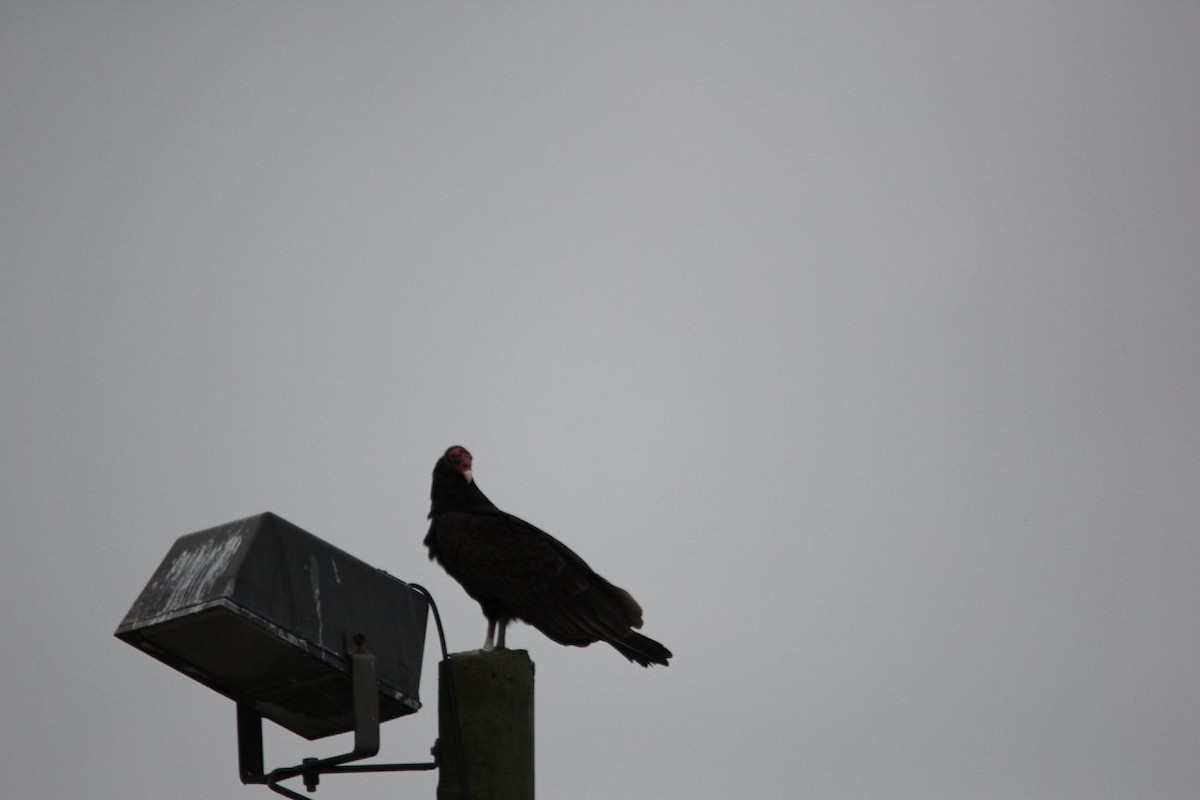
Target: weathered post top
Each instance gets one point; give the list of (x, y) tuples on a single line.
[(485, 726)]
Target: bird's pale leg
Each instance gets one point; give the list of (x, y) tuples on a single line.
[(487, 643)]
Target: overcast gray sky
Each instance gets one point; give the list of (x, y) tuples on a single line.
[(857, 340)]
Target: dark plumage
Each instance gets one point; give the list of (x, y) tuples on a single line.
[(516, 571)]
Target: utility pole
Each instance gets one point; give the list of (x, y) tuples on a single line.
[(485, 726)]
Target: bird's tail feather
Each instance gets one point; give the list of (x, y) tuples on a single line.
[(641, 649)]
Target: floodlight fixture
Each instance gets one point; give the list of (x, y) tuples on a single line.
[(293, 630)]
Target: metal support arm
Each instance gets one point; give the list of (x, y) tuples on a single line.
[(366, 735)]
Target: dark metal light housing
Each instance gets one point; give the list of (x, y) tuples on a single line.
[(267, 614)]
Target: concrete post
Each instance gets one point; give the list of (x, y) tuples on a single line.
[(485, 726)]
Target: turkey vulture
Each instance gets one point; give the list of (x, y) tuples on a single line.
[(516, 571)]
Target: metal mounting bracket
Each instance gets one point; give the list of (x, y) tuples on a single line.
[(366, 735)]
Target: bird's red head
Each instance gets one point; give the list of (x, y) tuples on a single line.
[(460, 459)]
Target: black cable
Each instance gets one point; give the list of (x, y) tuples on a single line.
[(450, 694), (437, 618)]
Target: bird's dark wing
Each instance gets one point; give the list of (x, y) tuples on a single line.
[(516, 570)]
